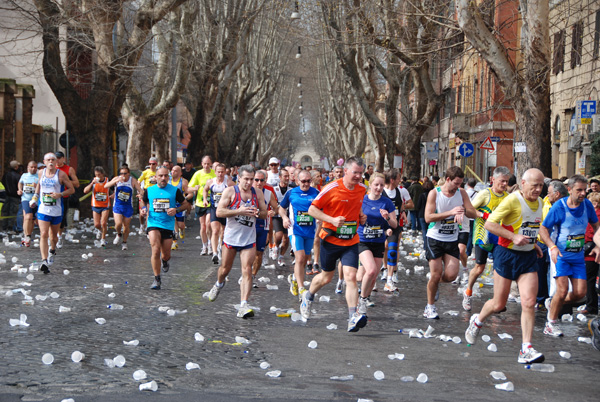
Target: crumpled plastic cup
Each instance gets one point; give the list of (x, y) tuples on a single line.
[(139, 375), (149, 386), (47, 358), (77, 356)]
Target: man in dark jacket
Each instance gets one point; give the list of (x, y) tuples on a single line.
[(415, 190), (13, 200)]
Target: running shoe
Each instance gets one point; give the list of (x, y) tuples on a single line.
[(301, 291), (339, 288), (141, 230), (594, 327), (26, 241), (280, 261), (305, 306), (293, 285), (316, 268), (265, 259), (389, 287), (215, 259), (51, 255), (204, 250), (473, 330), (155, 285), (44, 267), (245, 312), (370, 303), (466, 303), (362, 306), (103, 243), (383, 275), (59, 243), (274, 253), (309, 270), (124, 246), (395, 277), (117, 239), (165, 266), (174, 246), (431, 313), (552, 329), (98, 234), (356, 322), (530, 356), (214, 292)]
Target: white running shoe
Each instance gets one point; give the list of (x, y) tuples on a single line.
[(118, 239), (280, 261), (124, 246), (214, 292), (305, 306), (466, 303), (103, 243), (530, 356), (431, 313), (245, 312), (59, 243), (473, 331)]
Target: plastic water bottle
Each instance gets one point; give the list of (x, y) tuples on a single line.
[(115, 306), (544, 368)]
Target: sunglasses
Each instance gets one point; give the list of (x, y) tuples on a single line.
[(259, 179), (124, 173), (152, 163), (273, 164), (305, 181)]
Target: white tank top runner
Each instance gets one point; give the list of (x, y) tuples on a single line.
[(240, 230), (48, 185), (446, 229)]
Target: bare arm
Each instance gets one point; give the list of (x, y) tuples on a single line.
[(205, 192), (470, 210), (73, 177), (409, 204), (64, 180), (111, 183), (262, 207)]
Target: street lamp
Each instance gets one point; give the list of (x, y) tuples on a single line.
[(299, 82), (295, 14), (300, 96), (299, 54)]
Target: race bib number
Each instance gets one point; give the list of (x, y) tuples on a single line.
[(448, 226), (304, 219), (372, 232), (47, 200), (217, 197), (123, 196), (160, 204), (530, 229), (29, 188), (244, 220), (346, 231), (575, 243), (101, 197)]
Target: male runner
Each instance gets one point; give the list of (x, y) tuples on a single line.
[(570, 217), (241, 205), (280, 232), (159, 204), (262, 225), (53, 187), (446, 207), (338, 206), (72, 175), (182, 184), (124, 185), (516, 221), (203, 204), (26, 189), (100, 202), (215, 188), (485, 202), (147, 179)]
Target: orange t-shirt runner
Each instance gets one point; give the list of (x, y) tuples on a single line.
[(337, 200), (100, 198)]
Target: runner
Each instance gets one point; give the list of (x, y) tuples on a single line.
[(159, 205), (312, 268), (485, 202), (100, 202), (215, 187), (203, 204), (72, 175), (381, 220), (274, 172), (182, 184), (262, 225), (569, 216), (147, 179), (401, 199), (301, 227), (280, 235), (339, 207), (124, 185), (53, 187), (27, 184), (241, 205), (516, 221), (446, 207)]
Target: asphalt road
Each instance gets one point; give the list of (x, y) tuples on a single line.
[(230, 371)]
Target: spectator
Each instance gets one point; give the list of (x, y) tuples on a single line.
[(415, 190), (13, 199)]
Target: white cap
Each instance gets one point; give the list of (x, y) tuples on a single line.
[(273, 160)]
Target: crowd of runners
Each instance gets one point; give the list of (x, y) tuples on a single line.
[(540, 234)]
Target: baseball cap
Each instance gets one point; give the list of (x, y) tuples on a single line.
[(59, 154), (273, 160)]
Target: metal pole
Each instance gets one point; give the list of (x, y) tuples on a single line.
[(174, 135), (67, 147)]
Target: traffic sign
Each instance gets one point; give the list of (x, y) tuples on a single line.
[(466, 149), (585, 110), (487, 144)]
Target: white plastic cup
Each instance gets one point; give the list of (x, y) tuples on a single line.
[(47, 358), (77, 356), (422, 378), (139, 375), (379, 375), (312, 344), (119, 360), (149, 386)]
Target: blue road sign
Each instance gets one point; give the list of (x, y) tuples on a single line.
[(466, 149), (588, 108)]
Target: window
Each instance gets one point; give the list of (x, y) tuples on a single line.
[(558, 56), (459, 99), (557, 129), (597, 36), (576, 44)]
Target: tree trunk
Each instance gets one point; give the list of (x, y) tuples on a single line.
[(139, 141), (410, 144)]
